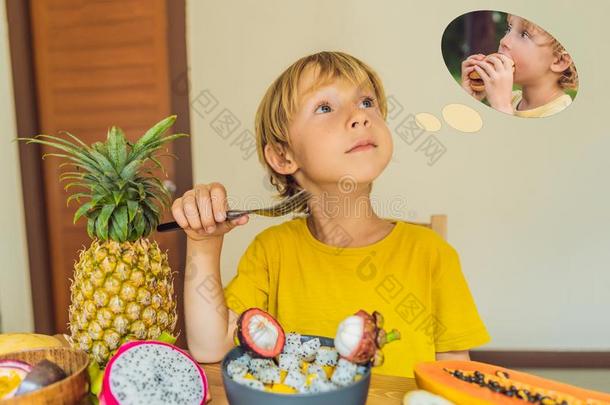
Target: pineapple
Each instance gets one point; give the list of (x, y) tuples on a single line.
[(122, 287)]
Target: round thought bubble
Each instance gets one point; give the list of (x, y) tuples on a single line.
[(462, 117)]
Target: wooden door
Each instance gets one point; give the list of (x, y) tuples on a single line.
[(97, 63)]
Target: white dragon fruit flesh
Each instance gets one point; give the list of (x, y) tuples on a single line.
[(151, 372)]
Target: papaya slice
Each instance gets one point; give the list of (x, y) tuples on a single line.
[(476, 383)]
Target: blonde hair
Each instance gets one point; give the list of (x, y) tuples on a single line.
[(280, 103), (569, 77)]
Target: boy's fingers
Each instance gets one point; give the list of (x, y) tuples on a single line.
[(178, 213), (204, 204), (189, 207), (487, 67), (497, 62), (508, 62), (218, 195), (482, 73)]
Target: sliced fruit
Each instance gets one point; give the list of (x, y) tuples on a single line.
[(15, 342), (12, 373), (475, 383), (258, 332), (361, 336)]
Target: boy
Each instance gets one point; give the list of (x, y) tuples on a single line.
[(321, 127), (543, 68)]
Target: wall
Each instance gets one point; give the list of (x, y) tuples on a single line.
[(15, 294), (527, 200)]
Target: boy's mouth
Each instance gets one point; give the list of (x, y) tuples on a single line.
[(363, 144)]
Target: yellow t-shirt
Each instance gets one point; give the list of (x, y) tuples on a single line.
[(412, 276), (548, 109)]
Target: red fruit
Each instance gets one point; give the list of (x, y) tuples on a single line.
[(258, 332), (360, 338)]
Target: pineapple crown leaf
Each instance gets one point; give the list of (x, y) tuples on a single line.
[(125, 198)]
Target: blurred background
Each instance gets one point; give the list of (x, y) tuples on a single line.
[(526, 200)]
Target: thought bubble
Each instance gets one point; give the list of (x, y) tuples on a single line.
[(462, 118), (428, 122)]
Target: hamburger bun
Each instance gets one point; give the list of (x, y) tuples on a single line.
[(476, 83)]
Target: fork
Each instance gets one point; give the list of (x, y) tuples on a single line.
[(282, 208)]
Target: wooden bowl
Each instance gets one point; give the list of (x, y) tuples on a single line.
[(71, 390)]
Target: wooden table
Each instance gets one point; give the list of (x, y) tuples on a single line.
[(384, 390)]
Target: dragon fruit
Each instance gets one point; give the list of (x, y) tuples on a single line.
[(153, 372)]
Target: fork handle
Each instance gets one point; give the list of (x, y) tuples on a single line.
[(173, 225)]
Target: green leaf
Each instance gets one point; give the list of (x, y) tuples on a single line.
[(117, 148), (104, 164), (158, 164), (120, 220), (139, 223), (78, 163), (155, 132), (152, 220), (149, 149), (151, 207), (77, 197), (71, 176), (166, 337), (102, 221), (100, 147), (132, 208), (77, 184), (114, 232), (83, 144), (78, 154), (82, 210), (117, 196), (155, 183), (130, 169), (91, 227)]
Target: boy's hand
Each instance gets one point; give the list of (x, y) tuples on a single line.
[(467, 67), (201, 212), (497, 74)]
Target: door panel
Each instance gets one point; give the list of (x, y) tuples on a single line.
[(96, 64)]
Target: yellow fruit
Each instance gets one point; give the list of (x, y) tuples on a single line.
[(122, 288), (8, 383), (121, 291), (282, 389), (309, 379), (15, 342), (329, 371)]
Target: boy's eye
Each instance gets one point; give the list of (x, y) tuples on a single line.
[(324, 107), (525, 34), (370, 101)]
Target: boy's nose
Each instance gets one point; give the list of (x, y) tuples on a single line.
[(504, 43), (359, 119)]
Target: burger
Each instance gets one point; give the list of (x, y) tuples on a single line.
[(476, 83)]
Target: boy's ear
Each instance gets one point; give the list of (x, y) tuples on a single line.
[(561, 62), (282, 162)]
